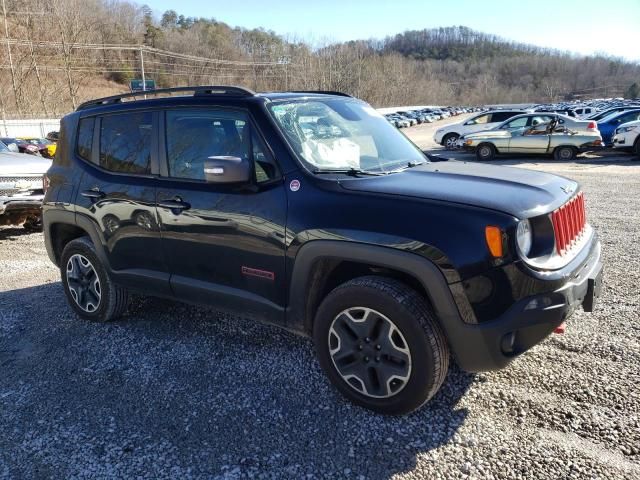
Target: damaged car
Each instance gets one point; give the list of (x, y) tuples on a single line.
[(22, 186), (548, 138)]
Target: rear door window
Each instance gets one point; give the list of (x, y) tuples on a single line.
[(125, 143), (502, 116)]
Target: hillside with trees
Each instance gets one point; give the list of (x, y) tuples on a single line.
[(57, 53)]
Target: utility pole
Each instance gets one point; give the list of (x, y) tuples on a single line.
[(144, 80), (13, 72)]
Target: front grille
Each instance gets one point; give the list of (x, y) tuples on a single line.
[(15, 185), (569, 222)]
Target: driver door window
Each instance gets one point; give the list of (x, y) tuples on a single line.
[(193, 136)]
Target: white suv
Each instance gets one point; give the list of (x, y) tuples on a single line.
[(448, 135), (628, 136)]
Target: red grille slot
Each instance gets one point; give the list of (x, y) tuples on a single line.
[(568, 223)]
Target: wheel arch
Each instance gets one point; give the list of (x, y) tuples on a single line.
[(61, 227), (321, 265)]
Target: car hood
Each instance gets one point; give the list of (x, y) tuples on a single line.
[(21, 163), (516, 191)]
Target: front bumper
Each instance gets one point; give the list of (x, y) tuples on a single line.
[(494, 344), (14, 210)]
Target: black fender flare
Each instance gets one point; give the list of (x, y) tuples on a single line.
[(67, 217), (425, 271)]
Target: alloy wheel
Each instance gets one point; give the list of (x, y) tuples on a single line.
[(83, 283), (451, 142), (369, 352)]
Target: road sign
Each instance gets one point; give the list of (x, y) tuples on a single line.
[(136, 85)]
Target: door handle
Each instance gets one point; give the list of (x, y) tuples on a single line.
[(94, 194), (175, 203)]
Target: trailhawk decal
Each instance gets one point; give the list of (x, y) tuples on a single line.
[(254, 272)]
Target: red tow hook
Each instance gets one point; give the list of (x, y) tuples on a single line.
[(560, 328)]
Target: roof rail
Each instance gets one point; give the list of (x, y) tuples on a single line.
[(326, 92), (197, 91)]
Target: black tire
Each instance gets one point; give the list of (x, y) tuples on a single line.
[(397, 306), (449, 140), (565, 153), (104, 302), (485, 152), (636, 147)]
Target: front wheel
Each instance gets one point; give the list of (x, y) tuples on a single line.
[(450, 140), (636, 147), (565, 153), (380, 345), (485, 152)]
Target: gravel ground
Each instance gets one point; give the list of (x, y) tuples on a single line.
[(175, 391)]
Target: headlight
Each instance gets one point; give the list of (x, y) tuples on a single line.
[(523, 237), (626, 129)]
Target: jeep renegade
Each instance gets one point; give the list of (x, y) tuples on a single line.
[(310, 211)]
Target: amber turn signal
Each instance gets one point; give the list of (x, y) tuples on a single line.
[(494, 240)]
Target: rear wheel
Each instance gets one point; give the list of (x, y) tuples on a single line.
[(636, 146), (449, 140), (380, 345), (89, 288), (565, 153), (485, 151)]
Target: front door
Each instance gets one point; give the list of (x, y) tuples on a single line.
[(223, 244)]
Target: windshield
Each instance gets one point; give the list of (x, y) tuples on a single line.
[(4, 148), (343, 134)]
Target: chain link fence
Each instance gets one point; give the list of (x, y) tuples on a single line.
[(37, 127)]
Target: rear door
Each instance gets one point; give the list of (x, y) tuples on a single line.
[(223, 244), (117, 194)]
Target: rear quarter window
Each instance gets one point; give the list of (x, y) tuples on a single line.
[(85, 137)]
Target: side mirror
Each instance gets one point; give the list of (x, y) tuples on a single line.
[(13, 147), (227, 169)]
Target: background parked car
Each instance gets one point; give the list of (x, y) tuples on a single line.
[(608, 125), (21, 188), (627, 136), (24, 146), (46, 147), (449, 134)]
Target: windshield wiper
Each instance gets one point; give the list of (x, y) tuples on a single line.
[(354, 172), (408, 165)]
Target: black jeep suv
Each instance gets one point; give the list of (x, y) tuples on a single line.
[(310, 211)]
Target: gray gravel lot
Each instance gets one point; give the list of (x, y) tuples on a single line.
[(176, 391)]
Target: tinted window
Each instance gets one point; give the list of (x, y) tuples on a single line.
[(194, 135), (502, 116), (85, 137), (125, 142)]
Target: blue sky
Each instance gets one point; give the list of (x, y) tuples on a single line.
[(584, 27)]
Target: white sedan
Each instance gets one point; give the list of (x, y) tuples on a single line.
[(627, 136)]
